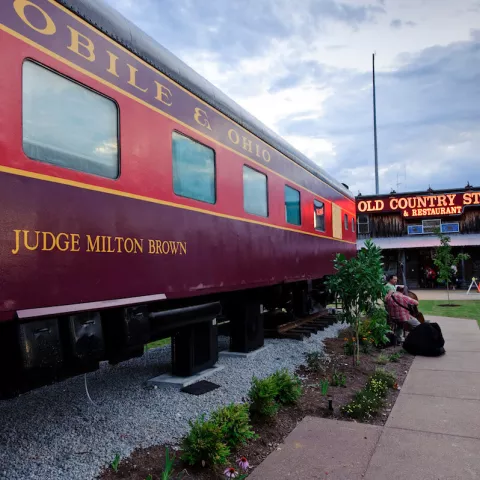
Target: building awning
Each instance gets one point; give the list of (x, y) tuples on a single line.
[(422, 241)]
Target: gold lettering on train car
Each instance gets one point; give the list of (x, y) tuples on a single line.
[(66, 244), (113, 64), (233, 136), (128, 245), (164, 94), (201, 118), (17, 241), (133, 78), (257, 150), (119, 244), (151, 247), (93, 246), (20, 7), (76, 43), (166, 250), (75, 242), (183, 247), (173, 247), (138, 245), (109, 245), (54, 242), (266, 155), (247, 144), (158, 243), (25, 240)]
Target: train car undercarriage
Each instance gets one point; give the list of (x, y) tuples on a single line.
[(41, 351)]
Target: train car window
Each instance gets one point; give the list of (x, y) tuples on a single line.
[(319, 215), (255, 192), (345, 217), (292, 206), (353, 225), (67, 124), (193, 169)]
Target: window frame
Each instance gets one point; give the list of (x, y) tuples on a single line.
[(345, 222), (299, 204), (267, 191), (363, 216), (315, 216), (353, 224), (92, 90), (214, 168)]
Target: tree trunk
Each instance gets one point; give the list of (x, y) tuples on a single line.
[(448, 294), (357, 353)]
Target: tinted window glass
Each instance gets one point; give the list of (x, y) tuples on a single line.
[(193, 169), (255, 194), (319, 215), (346, 221), (292, 206), (68, 125)]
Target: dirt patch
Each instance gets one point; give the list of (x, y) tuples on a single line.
[(150, 461)]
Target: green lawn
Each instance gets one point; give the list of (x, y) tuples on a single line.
[(159, 343), (466, 309)]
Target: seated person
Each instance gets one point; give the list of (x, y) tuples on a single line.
[(391, 284), (397, 308)]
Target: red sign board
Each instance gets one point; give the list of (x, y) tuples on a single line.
[(420, 205)]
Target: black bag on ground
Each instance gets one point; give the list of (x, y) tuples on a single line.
[(426, 339)]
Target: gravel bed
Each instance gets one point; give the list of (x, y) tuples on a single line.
[(56, 433)]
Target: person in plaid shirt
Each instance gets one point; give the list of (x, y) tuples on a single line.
[(397, 308)]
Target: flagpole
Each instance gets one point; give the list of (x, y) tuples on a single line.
[(375, 125)]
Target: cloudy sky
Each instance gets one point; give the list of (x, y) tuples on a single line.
[(303, 67)]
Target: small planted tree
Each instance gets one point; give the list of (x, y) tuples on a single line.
[(444, 260), (359, 284)]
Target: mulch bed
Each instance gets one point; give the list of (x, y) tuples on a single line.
[(151, 460)]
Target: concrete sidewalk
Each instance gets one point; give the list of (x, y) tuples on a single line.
[(433, 431), (441, 294)]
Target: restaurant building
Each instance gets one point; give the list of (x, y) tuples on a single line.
[(404, 226)]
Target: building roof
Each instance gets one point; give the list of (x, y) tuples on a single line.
[(422, 241), (112, 23), (468, 188)]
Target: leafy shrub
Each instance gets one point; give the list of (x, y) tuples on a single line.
[(382, 359), (316, 361), (263, 397), (376, 386), (394, 357), (365, 347), (375, 327), (339, 379), (384, 376), (364, 404), (350, 346), (234, 422), (289, 387), (204, 443), (370, 399)]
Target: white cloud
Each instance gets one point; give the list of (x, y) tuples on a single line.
[(290, 67)]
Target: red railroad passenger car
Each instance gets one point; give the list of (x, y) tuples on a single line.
[(136, 198)]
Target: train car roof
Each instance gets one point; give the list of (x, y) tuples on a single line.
[(116, 26)]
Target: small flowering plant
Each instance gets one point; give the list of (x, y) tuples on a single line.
[(243, 466)]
